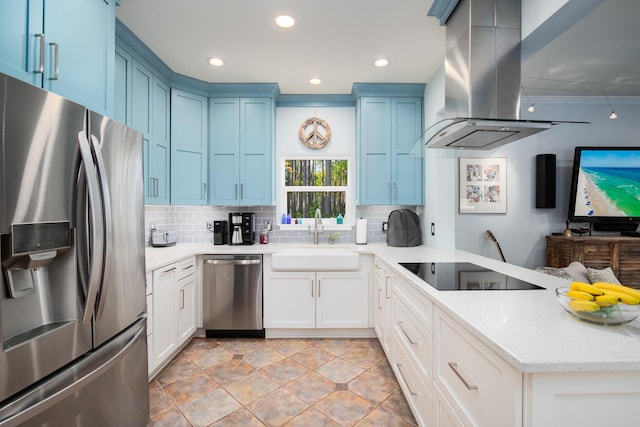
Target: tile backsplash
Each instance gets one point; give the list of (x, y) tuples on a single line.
[(190, 222)]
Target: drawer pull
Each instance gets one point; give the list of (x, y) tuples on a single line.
[(412, 342), (169, 270), (187, 267), (411, 392), (454, 367)]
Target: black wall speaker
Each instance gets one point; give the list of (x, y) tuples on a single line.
[(545, 181)]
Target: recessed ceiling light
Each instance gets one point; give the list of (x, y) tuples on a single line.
[(381, 62), (285, 21), (315, 81), (216, 62)]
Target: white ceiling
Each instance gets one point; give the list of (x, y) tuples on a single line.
[(338, 40)]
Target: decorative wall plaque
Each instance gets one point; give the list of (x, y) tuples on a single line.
[(314, 133)]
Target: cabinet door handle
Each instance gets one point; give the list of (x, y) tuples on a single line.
[(386, 287), (379, 299), (235, 191), (241, 191), (40, 69), (411, 392), (204, 191), (388, 190), (181, 299), (412, 342), (454, 368), (395, 191), (313, 285), (56, 57)]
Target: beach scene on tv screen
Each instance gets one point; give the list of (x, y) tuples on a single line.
[(609, 184)]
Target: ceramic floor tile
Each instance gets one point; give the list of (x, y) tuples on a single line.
[(344, 407), (207, 358), (383, 368), (262, 357), (311, 418), (286, 346), (339, 371), (251, 387), (278, 407), (335, 346), (310, 382), (191, 387), (363, 357), (209, 408), (312, 357), (284, 371), (229, 371), (373, 387), (159, 400), (397, 404), (180, 367), (379, 417), (311, 388), (241, 345), (239, 418), (172, 418)]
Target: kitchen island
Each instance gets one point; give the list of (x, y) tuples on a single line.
[(550, 364)]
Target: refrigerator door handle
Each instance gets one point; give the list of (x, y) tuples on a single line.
[(67, 383), (96, 229), (108, 223)]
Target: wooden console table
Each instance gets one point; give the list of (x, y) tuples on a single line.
[(622, 254)]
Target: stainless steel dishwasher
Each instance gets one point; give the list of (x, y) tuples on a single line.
[(232, 293)]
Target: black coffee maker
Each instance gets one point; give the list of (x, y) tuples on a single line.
[(242, 228)]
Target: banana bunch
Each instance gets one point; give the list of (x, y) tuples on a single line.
[(591, 297)]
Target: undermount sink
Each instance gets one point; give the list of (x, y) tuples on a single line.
[(315, 259)]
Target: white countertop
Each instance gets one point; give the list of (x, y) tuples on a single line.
[(528, 328)]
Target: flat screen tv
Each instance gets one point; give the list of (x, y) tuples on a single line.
[(605, 188)]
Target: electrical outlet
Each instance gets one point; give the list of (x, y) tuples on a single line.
[(385, 226), (210, 226)]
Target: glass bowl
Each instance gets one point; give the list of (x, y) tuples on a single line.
[(615, 314)]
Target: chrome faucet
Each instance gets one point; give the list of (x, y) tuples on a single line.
[(317, 222)]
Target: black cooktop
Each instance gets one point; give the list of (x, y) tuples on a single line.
[(464, 276)]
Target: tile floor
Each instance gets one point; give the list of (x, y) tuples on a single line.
[(279, 382)]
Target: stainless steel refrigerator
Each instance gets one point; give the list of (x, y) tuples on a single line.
[(72, 297)]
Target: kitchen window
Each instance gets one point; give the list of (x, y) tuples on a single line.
[(310, 184)]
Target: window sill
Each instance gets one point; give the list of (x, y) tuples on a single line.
[(309, 226)]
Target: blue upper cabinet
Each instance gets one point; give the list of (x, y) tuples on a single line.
[(65, 46), (389, 153), (241, 147), (188, 148), (160, 146)]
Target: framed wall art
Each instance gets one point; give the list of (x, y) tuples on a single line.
[(483, 185)]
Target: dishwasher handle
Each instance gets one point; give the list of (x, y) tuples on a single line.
[(233, 261)]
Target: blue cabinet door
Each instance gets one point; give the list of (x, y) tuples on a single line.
[(82, 69), (122, 87), (256, 165), (374, 146), (188, 148), (21, 24), (406, 151), (65, 46), (389, 154), (241, 147), (224, 140), (159, 148)]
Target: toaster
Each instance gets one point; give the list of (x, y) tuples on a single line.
[(163, 238)]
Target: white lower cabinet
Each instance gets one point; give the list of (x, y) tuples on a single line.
[(480, 387), (382, 303), (578, 399), (316, 300), (173, 310)]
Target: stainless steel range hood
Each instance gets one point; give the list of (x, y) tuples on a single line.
[(482, 78)]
